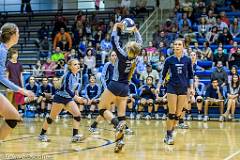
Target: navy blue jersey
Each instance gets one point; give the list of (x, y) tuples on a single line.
[(180, 70), (162, 91), (34, 88), (45, 89), (70, 82), (54, 90), (199, 89), (212, 92), (92, 92), (123, 64), (132, 89), (147, 92), (107, 74)]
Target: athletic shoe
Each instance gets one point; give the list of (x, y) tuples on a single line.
[(157, 116), (43, 138), (89, 116), (183, 126), (138, 116), (77, 138), (189, 117), (199, 117), (119, 146), (168, 140), (164, 117), (148, 117), (94, 130), (221, 118), (205, 119), (131, 116), (119, 131), (129, 131), (42, 115)]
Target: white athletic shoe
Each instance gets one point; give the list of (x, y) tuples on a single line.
[(131, 116), (157, 116), (221, 118), (148, 117), (138, 116), (189, 117), (43, 138), (94, 130), (199, 117), (205, 119), (77, 138), (168, 140), (164, 117)]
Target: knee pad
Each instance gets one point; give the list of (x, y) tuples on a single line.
[(150, 104), (199, 100), (78, 118), (177, 118), (123, 118), (11, 123), (49, 120), (129, 100), (165, 102), (172, 116), (101, 112)]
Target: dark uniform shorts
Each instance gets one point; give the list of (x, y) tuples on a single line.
[(118, 89), (62, 100), (178, 90)]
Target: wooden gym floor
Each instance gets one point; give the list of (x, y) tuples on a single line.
[(203, 141)]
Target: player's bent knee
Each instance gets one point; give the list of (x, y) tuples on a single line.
[(172, 116), (11, 123), (77, 118), (199, 100), (101, 112), (49, 120)]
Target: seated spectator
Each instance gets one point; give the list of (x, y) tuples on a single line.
[(160, 36), (45, 48), (220, 56), (34, 87), (160, 64), (56, 85), (220, 24), (106, 46), (161, 100), (162, 49), (185, 29), (154, 59), (198, 98), (142, 60), (63, 40), (207, 52), (211, 19), (132, 97), (150, 49), (212, 36), (60, 69), (233, 71), (233, 97), (170, 50), (236, 57), (90, 60), (168, 26), (149, 72), (78, 36), (194, 59), (233, 51), (221, 46), (214, 97), (60, 22), (221, 75), (225, 37), (57, 55), (82, 47), (147, 96), (48, 68), (235, 28), (84, 72), (92, 94), (235, 5), (45, 97), (43, 32), (37, 69), (186, 20), (197, 50), (203, 27), (224, 18)]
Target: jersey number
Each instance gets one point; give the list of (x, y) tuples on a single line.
[(179, 70)]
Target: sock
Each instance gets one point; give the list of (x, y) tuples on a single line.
[(43, 132), (94, 125), (181, 121), (75, 131), (115, 122)]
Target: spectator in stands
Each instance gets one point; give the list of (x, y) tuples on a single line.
[(63, 40), (235, 28), (48, 68), (203, 27), (185, 29), (220, 24), (14, 71), (72, 55), (211, 19), (160, 36), (99, 36), (147, 97), (194, 59), (160, 63), (221, 46), (221, 75), (170, 50), (233, 97), (92, 94), (185, 21), (43, 32), (212, 36), (220, 56), (233, 71), (150, 49), (154, 59), (142, 60), (233, 51), (80, 17), (225, 37), (37, 69), (207, 52), (78, 32), (197, 50), (224, 18), (212, 6), (60, 69), (125, 4), (82, 47), (27, 5), (45, 47), (168, 26), (88, 29), (45, 96), (162, 49), (214, 97), (57, 55), (90, 60), (34, 87), (106, 47), (84, 72), (199, 92), (236, 57), (149, 72), (235, 5)]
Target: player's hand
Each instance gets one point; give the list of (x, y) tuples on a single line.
[(120, 25), (78, 99), (27, 93), (192, 92)]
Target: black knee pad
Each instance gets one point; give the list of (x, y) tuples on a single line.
[(184, 109), (78, 118), (101, 112), (123, 118), (177, 118), (199, 100), (150, 104), (172, 116), (11, 123), (49, 120), (129, 100)]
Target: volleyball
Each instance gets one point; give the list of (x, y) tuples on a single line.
[(128, 25)]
